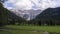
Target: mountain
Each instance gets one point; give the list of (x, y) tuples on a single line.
[(36, 7), (13, 16), (27, 14), (50, 16), (50, 13)]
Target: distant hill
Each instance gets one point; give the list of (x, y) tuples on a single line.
[(50, 13)]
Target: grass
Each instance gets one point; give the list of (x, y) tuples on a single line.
[(15, 29)]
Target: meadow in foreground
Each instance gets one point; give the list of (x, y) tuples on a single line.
[(15, 29)]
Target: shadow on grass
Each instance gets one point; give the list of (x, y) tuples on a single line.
[(4, 32)]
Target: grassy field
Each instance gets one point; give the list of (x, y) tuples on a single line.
[(15, 29)]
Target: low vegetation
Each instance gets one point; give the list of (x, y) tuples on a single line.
[(14, 29)]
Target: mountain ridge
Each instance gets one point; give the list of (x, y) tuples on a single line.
[(50, 13)]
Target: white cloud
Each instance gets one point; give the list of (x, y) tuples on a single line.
[(38, 4), (24, 4)]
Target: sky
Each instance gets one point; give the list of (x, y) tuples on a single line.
[(31, 4)]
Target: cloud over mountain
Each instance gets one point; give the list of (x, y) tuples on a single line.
[(30, 7)]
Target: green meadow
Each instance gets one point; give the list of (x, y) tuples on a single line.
[(17, 29)]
